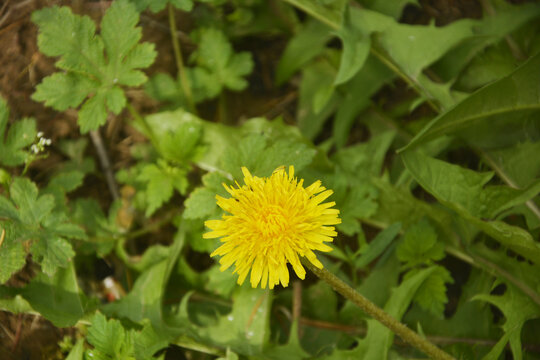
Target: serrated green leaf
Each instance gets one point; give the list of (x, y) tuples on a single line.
[(215, 55), (420, 245), (115, 100), (93, 113), (31, 208), (517, 309), (7, 209), (67, 181), (158, 5), (52, 252), (509, 95), (109, 337), (261, 158), (96, 64), (160, 184), (12, 142), (379, 338), (292, 350), (147, 342), (431, 295), (12, 254), (119, 31), (62, 91), (62, 33), (462, 190)]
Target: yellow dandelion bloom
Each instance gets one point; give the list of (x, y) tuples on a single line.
[(273, 221)]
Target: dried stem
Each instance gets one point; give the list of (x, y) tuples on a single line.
[(379, 314), (105, 163)]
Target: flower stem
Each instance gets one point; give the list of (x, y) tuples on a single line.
[(379, 314), (179, 62)]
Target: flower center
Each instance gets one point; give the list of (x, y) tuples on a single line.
[(272, 222)]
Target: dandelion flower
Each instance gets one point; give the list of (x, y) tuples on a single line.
[(271, 222)]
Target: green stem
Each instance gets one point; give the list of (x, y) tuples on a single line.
[(141, 122), (179, 62), (379, 314)]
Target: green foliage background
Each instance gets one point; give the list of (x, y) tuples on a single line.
[(438, 195)]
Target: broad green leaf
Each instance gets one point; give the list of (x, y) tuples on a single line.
[(355, 50), (314, 296), (518, 162), (505, 97), (247, 328), (488, 31), (170, 129), (317, 80), (56, 297), (77, 352), (378, 245), (201, 203), (491, 65), (412, 47), (463, 191), (356, 96), (144, 301), (13, 141), (307, 43)]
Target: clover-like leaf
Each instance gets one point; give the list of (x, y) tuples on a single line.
[(95, 66)]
